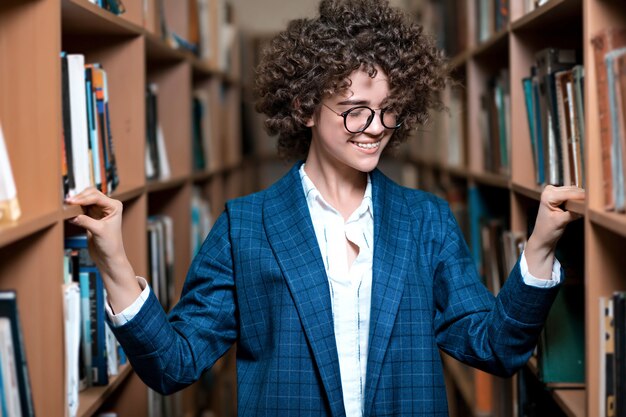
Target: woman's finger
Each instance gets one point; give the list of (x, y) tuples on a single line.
[(87, 223), (90, 197), (555, 196)]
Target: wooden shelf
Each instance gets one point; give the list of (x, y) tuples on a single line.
[(70, 211), (495, 45), (80, 17), (460, 59), (532, 193), (460, 172), (92, 398), (571, 400), (26, 226), (128, 193), (157, 50), (577, 207), (490, 179), (164, 185), (553, 12), (614, 222)]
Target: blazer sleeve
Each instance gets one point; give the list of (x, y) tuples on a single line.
[(171, 352), (496, 335)]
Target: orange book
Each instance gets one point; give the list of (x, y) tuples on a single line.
[(603, 42)]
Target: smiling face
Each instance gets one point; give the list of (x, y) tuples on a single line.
[(332, 146)]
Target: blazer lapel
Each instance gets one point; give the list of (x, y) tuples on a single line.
[(291, 235), (392, 242)]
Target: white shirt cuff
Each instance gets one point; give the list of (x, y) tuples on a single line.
[(530, 279), (131, 311)]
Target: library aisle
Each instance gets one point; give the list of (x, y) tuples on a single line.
[(151, 102)]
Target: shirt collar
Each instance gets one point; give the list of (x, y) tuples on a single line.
[(314, 197)]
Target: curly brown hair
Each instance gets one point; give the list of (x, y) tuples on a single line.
[(313, 58)]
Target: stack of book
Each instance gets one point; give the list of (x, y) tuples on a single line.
[(88, 158), (555, 108)]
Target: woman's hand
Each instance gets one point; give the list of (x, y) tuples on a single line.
[(549, 227), (103, 223)]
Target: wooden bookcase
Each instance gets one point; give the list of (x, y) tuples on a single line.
[(32, 35), (562, 24)]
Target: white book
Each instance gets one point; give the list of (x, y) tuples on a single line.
[(111, 347), (78, 109), (204, 27), (9, 205), (11, 390), (71, 326), (164, 165)]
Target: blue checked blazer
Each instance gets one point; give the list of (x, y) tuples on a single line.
[(259, 281)]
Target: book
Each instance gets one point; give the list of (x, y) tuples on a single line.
[(619, 320), (93, 335), (71, 327), (604, 41), (579, 76), (157, 164), (9, 205), (619, 131), (530, 116), (9, 310), (617, 164), (79, 133), (549, 61), (9, 388), (605, 374)]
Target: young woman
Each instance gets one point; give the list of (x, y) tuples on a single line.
[(338, 285)]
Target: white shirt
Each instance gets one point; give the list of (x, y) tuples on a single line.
[(350, 287)]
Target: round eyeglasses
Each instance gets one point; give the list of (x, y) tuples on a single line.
[(357, 119)]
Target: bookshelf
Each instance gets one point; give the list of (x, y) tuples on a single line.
[(561, 24), (130, 48)]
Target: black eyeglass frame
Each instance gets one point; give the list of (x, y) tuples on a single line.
[(369, 119)]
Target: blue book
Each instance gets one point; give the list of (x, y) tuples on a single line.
[(530, 113), (538, 131), (3, 400), (93, 130), (477, 211), (92, 301), (85, 330)]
